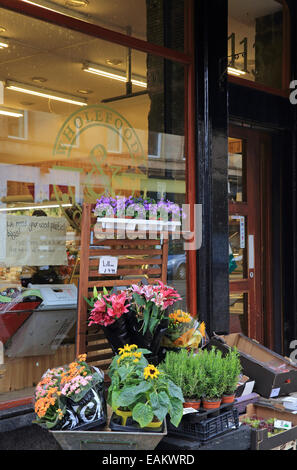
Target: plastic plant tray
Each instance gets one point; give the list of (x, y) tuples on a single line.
[(108, 440), (204, 426), (131, 425)]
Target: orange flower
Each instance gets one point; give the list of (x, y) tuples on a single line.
[(82, 357), (202, 329), (180, 317)]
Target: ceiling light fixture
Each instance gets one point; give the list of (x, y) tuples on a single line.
[(85, 92), (45, 93), (24, 208), (236, 72), (108, 72), (3, 45), (76, 3), (10, 112), (39, 79)]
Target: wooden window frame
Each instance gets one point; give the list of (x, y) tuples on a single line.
[(185, 58)]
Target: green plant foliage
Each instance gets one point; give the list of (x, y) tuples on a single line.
[(232, 371), (143, 389), (184, 369), (206, 374)]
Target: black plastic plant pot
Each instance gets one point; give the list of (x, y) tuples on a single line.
[(117, 334), (149, 341), (131, 425)]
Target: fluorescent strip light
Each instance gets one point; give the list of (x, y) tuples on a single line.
[(139, 83), (11, 112), (235, 72), (103, 71), (3, 45), (44, 93), (34, 207)]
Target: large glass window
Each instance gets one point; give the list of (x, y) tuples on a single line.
[(72, 129), (160, 22), (255, 41)]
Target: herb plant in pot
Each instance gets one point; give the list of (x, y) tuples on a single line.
[(184, 370), (144, 391), (213, 364), (232, 370)]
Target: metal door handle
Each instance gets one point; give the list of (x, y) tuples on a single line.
[(251, 256)]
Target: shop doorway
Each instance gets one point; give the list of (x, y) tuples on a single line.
[(249, 193)]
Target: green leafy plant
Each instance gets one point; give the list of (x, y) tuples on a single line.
[(143, 389), (213, 364), (185, 370), (256, 422), (233, 369)]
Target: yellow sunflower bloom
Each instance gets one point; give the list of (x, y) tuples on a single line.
[(151, 372)]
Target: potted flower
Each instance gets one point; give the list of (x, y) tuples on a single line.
[(184, 370), (71, 397), (138, 207), (147, 320), (107, 311), (125, 369), (232, 370), (142, 390), (145, 207)]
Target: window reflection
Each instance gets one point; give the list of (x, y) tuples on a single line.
[(61, 154), (255, 41), (236, 170), (238, 251), (238, 313)]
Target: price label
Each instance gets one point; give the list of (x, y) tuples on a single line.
[(281, 424), (189, 410), (108, 265)]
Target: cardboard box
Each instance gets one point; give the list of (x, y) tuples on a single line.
[(273, 374), (259, 437), (245, 386)]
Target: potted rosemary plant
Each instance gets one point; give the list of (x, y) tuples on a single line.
[(214, 384), (184, 370), (232, 370)]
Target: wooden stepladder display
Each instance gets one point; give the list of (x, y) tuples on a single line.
[(136, 259)]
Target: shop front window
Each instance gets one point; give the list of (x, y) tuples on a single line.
[(159, 22), (74, 132), (256, 42)]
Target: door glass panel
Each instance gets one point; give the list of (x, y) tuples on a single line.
[(237, 248), (238, 313), (236, 170)]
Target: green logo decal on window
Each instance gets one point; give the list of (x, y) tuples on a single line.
[(112, 150)]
